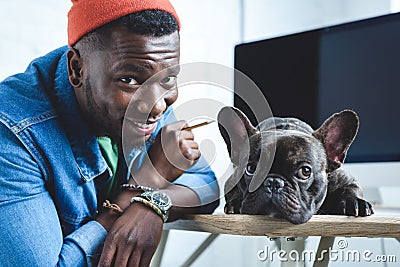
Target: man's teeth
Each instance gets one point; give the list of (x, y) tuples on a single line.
[(143, 125)]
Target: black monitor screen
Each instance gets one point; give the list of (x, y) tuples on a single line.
[(313, 74)]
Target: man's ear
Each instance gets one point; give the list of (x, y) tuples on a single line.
[(235, 129), (74, 67), (336, 134)]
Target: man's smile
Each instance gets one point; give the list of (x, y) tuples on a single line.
[(143, 129)]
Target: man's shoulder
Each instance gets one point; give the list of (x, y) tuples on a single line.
[(29, 94)]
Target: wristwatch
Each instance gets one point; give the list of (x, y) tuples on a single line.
[(159, 199)]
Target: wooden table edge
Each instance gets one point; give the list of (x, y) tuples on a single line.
[(319, 225)]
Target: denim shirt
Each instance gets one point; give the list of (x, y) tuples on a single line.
[(51, 169)]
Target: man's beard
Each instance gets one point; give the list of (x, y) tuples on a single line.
[(101, 123)]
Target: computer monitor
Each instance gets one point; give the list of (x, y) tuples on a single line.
[(313, 74)]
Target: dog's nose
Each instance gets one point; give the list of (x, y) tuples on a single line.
[(274, 184)]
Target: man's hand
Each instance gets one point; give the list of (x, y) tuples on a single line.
[(173, 151), (133, 238)]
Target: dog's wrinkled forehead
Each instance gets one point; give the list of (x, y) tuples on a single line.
[(286, 138), (295, 146), (273, 141), (273, 129)]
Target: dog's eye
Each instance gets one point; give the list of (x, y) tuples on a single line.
[(250, 169), (304, 172)]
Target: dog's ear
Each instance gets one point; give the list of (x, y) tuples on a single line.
[(236, 129), (336, 134)]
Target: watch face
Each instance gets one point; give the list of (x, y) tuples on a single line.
[(161, 200)]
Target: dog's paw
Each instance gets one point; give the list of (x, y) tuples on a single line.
[(232, 208), (354, 206), (347, 205)]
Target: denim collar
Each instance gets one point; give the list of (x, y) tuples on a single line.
[(82, 140)]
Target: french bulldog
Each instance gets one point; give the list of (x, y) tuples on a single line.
[(285, 169)]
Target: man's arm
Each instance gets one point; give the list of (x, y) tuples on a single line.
[(30, 230), (133, 237)]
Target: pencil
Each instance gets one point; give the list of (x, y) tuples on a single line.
[(188, 128)]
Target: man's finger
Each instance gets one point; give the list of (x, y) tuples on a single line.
[(135, 259), (188, 135), (107, 255), (130, 250), (145, 259)]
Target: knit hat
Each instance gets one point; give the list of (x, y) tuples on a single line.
[(87, 15)]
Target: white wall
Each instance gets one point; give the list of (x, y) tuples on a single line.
[(210, 29), (30, 29), (269, 18)]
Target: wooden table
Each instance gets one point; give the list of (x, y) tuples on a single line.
[(326, 226)]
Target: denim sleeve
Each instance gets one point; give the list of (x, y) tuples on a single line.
[(201, 179), (30, 230)]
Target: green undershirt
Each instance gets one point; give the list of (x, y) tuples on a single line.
[(110, 154)]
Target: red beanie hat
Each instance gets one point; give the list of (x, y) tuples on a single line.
[(87, 15)]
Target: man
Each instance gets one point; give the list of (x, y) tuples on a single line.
[(61, 136)]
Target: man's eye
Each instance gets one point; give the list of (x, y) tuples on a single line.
[(168, 81), (129, 80)]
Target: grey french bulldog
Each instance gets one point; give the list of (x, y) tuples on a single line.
[(287, 170)]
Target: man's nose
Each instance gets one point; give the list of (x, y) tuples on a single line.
[(158, 108), (152, 101)]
